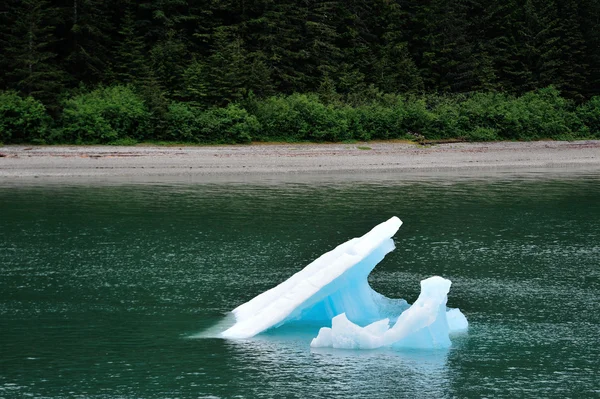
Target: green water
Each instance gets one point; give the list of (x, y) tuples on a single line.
[(103, 287)]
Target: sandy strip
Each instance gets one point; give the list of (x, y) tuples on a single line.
[(148, 161)]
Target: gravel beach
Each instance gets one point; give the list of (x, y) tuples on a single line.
[(258, 159)]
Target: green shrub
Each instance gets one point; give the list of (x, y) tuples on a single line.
[(418, 119), (589, 114), (482, 134), (117, 115), (534, 115), (22, 120), (378, 121), (217, 125), (126, 141), (541, 114), (182, 122), (228, 125), (448, 121), (302, 117), (104, 116), (484, 111)]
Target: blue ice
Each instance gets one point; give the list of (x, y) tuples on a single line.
[(333, 292)]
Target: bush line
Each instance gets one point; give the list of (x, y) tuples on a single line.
[(120, 115)]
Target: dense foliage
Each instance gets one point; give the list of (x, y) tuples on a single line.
[(230, 71), (118, 115), (22, 120), (103, 116)]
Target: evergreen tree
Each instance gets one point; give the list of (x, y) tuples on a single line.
[(169, 58), (29, 59), (321, 37), (163, 17), (131, 65), (233, 72), (357, 43), (450, 61), (282, 40), (212, 52), (195, 84), (543, 41), (505, 28), (199, 28), (589, 14), (572, 50), (88, 40), (4, 61), (395, 69), (226, 68), (169, 55)]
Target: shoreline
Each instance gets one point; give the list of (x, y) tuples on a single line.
[(138, 162)]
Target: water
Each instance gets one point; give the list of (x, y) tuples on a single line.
[(103, 288)]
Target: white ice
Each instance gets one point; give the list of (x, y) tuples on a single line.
[(425, 325), (333, 291)]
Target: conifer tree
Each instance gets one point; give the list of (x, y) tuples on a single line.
[(589, 12), (357, 44), (573, 67), (451, 60), (169, 54), (29, 59), (195, 85), (88, 40), (169, 57), (131, 65), (233, 72), (395, 70), (213, 52), (321, 35), (282, 40)]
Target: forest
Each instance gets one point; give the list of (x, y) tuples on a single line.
[(237, 71)]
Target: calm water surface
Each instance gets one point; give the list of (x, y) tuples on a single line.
[(104, 287)]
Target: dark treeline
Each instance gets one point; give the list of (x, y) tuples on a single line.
[(211, 56)]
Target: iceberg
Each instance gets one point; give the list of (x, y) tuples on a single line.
[(333, 291), (427, 324)]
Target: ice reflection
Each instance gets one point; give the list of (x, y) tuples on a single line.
[(284, 360)]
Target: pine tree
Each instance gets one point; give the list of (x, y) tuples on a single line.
[(226, 68), (505, 29), (589, 14), (573, 68), (131, 65), (258, 75), (542, 38), (4, 61), (213, 52), (282, 39), (169, 54), (88, 40), (483, 36), (195, 85), (324, 55), (29, 58), (169, 57), (395, 70), (357, 43), (199, 28), (162, 17)]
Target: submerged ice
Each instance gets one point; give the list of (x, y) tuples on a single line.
[(333, 292)]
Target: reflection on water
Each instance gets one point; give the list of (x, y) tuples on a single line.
[(102, 286), (285, 352), (344, 372)]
